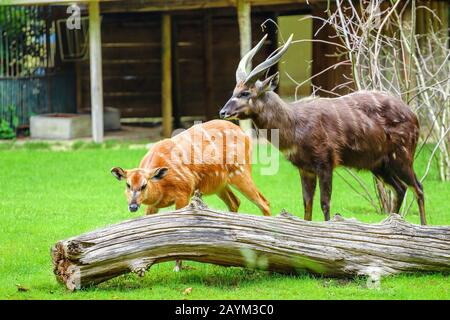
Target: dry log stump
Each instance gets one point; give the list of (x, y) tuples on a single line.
[(285, 243)]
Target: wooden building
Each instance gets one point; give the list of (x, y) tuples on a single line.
[(171, 58)]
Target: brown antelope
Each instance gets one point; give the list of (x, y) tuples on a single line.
[(369, 130), (209, 157)]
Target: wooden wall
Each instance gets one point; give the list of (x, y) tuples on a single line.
[(205, 56), (131, 52), (324, 57), (189, 83)]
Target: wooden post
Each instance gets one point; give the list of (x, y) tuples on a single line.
[(210, 109), (420, 22), (95, 52), (166, 76), (409, 23), (444, 14), (245, 37), (176, 83)]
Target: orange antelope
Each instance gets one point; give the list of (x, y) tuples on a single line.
[(209, 157)]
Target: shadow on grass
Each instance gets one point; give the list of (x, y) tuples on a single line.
[(227, 278), (163, 281)]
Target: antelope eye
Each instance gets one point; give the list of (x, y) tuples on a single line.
[(143, 187), (244, 94), (128, 186)]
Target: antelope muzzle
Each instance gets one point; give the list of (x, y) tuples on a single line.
[(133, 207), (133, 204), (230, 110)]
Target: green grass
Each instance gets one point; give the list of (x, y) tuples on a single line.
[(47, 196)]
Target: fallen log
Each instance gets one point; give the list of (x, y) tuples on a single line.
[(285, 243)]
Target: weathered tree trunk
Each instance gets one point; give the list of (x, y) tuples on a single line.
[(284, 244)]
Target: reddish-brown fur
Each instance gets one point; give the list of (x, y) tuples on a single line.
[(206, 157), (364, 130)]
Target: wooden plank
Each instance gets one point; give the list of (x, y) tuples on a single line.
[(143, 106), (192, 52), (131, 44), (131, 53), (95, 53), (126, 99), (140, 94), (148, 111), (143, 110), (139, 69), (139, 84), (139, 34), (166, 65)]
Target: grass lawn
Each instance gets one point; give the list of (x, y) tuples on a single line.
[(47, 196)]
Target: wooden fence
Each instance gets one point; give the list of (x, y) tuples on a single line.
[(28, 83), (25, 96)]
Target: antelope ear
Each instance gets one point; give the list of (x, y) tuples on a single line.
[(119, 173), (158, 173), (269, 84)]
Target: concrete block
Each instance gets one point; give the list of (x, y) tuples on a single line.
[(66, 126), (60, 126), (111, 119)]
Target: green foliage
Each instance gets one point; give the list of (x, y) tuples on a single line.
[(24, 27), (9, 123), (6, 132), (54, 195)]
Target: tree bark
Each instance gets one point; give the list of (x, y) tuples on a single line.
[(341, 247)]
